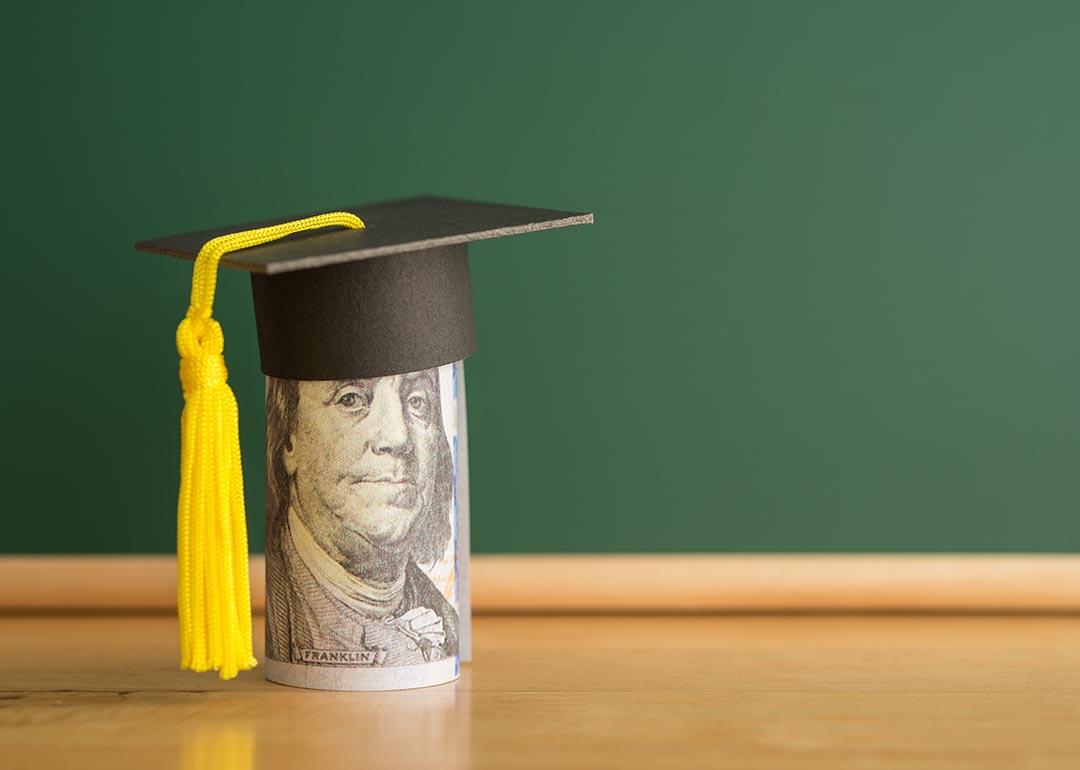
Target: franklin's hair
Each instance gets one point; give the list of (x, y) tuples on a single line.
[(431, 532)]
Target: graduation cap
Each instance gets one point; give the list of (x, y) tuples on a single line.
[(366, 292)]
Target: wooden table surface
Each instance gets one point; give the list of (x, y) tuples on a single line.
[(569, 692)]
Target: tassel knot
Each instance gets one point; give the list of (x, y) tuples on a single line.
[(199, 336), (201, 345)]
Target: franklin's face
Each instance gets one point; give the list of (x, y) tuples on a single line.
[(363, 457)]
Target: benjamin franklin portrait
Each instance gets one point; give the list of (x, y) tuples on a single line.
[(359, 494)]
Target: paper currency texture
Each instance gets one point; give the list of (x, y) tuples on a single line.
[(361, 531)]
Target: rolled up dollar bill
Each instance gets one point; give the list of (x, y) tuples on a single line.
[(361, 531)]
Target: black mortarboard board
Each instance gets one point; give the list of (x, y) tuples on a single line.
[(331, 304)]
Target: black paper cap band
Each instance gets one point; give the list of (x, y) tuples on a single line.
[(370, 318)]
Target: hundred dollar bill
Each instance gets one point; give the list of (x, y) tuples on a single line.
[(362, 531)]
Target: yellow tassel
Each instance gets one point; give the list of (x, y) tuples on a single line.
[(213, 593)]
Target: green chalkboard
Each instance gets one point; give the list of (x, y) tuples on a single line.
[(830, 301)]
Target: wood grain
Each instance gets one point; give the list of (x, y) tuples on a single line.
[(626, 583), (800, 692)]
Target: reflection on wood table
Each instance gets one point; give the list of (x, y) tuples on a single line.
[(626, 692)]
